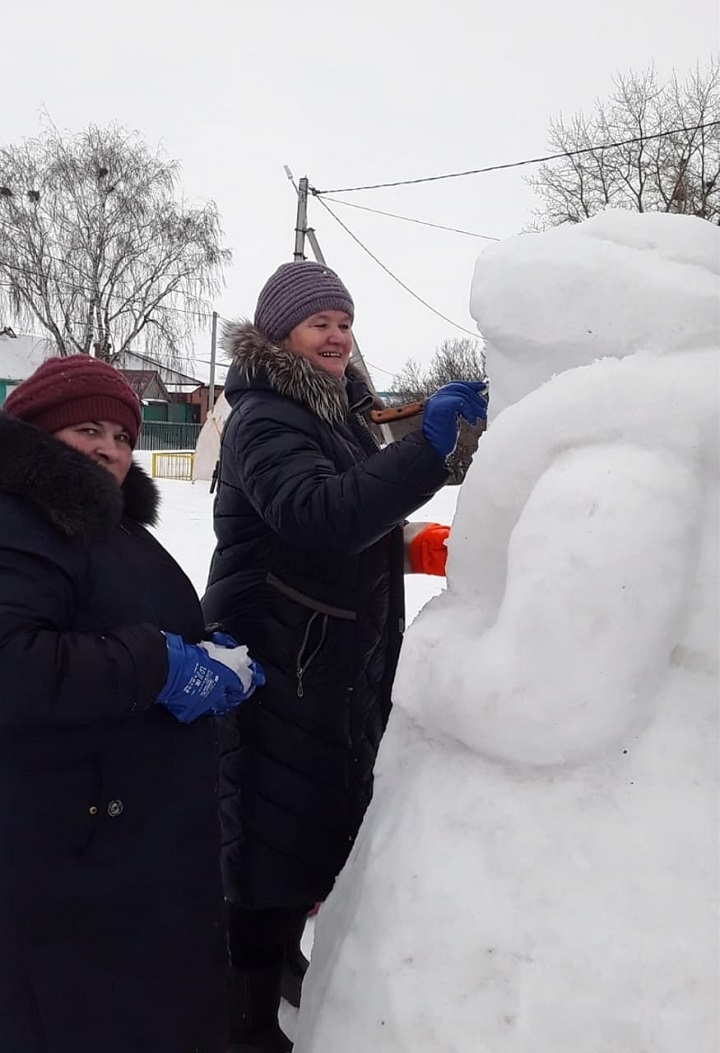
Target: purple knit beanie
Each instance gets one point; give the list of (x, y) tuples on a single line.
[(294, 292), (67, 391)]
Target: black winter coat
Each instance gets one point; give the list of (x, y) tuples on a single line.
[(308, 573), (110, 898)]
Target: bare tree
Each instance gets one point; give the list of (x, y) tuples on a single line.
[(455, 359), (97, 248), (672, 166)]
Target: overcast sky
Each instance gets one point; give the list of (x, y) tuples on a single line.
[(347, 94)]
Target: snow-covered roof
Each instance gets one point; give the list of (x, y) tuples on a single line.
[(21, 355), (183, 389)]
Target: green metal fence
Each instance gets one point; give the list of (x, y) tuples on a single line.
[(168, 435)]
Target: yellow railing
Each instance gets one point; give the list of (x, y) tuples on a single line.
[(172, 464)]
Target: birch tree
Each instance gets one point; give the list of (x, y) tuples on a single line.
[(671, 164), (98, 248)]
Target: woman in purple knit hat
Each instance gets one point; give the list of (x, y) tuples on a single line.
[(308, 569), (111, 934)]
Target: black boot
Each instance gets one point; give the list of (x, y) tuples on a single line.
[(254, 1004), (295, 965)]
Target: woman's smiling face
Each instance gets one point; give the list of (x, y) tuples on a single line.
[(325, 339)]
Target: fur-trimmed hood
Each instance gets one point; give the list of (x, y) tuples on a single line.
[(79, 498), (258, 362)]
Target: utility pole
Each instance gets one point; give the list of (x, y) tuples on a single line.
[(213, 348), (301, 232), (301, 221), (356, 357), (315, 246)]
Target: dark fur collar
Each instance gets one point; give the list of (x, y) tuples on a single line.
[(73, 493), (291, 375)]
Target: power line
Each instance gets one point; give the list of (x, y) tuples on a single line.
[(78, 288), (379, 368), (394, 276), (174, 358), (407, 219), (518, 164), (83, 322), (47, 338)]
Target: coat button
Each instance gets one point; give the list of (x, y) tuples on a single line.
[(115, 808), (92, 809)]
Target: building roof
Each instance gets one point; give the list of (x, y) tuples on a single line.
[(184, 389), (21, 355), (141, 380), (170, 375)]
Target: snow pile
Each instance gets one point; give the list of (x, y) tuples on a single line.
[(538, 872)]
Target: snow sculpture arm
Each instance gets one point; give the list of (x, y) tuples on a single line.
[(595, 597)]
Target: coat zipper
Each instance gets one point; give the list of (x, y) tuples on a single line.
[(302, 667)]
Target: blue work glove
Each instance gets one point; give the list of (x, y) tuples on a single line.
[(196, 683), (224, 648), (465, 399)]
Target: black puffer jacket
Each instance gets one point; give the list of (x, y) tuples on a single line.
[(308, 572), (110, 897)]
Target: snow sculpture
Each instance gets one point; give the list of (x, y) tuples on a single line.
[(538, 872)]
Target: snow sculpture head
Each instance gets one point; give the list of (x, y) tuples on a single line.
[(583, 557), (618, 284)]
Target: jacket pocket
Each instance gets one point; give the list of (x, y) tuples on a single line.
[(317, 628), (60, 812), (309, 601)]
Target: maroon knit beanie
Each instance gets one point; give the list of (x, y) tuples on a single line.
[(67, 391)]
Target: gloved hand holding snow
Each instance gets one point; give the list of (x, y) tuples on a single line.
[(196, 683), (225, 649)]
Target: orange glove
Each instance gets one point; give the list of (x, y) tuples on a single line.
[(427, 551)]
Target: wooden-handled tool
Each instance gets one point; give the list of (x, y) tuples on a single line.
[(391, 413)]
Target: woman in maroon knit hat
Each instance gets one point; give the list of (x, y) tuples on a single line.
[(110, 897)]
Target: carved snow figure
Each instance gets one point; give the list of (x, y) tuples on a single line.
[(538, 872)]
